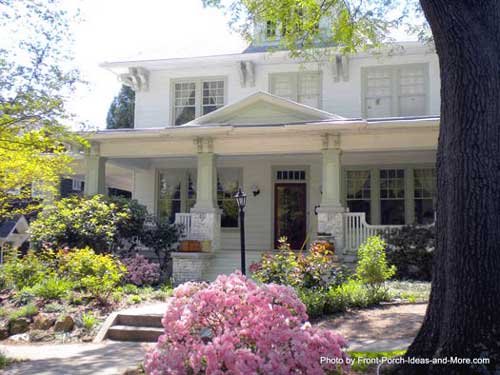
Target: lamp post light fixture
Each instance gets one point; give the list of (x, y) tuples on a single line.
[(241, 200)]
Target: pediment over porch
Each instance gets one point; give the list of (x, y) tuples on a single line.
[(262, 108)]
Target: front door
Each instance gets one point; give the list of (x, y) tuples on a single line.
[(290, 214)]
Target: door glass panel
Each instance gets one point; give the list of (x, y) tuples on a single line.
[(290, 213)]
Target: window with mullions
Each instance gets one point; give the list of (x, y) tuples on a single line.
[(228, 182), (176, 193), (301, 87), (425, 195), (299, 175), (392, 196), (359, 192), (196, 98)]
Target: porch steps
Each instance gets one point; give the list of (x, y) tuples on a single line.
[(130, 325), (227, 261)]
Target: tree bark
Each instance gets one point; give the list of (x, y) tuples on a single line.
[(463, 317)]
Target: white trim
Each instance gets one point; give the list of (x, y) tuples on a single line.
[(395, 95), (212, 117), (198, 81)]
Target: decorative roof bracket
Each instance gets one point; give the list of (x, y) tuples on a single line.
[(340, 68), (246, 70), (137, 78)]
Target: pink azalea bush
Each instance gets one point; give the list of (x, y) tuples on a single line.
[(140, 271), (234, 326)]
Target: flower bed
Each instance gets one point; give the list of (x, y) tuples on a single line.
[(235, 326)]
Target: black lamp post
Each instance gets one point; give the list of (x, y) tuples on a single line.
[(241, 199)]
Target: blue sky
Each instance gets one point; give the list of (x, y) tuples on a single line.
[(121, 29)]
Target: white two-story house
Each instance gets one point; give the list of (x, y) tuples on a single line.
[(340, 147)]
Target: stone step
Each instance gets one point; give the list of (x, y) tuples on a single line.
[(139, 320), (134, 333)]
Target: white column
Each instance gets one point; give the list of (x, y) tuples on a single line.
[(95, 176), (331, 212), (205, 220), (331, 179), (206, 183)]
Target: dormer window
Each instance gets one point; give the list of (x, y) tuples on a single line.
[(270, 30), (197, 97)]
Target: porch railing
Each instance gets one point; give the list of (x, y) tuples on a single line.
[(357, 230), (185, 221)]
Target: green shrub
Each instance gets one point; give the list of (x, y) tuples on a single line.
[(372, 268), (4, 361), (53, 308), (89, 321), (24, 296), (3, 312), (135, 299), (117, 296), (160, 236), (97, 222), (315, 269), (97, 274), (130, 289), (53, 287), (315, 301), (75, 298), (411, 250), (24, 312), (24, 272)]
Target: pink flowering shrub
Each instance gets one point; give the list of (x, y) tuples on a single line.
[(234, 326), (140, 271)]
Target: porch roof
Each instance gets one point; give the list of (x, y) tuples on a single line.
[(310, 127)]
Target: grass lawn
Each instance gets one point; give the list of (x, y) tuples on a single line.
[(409, 291), (364, 361)]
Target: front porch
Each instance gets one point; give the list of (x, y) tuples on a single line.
[(199, 195), (314, 173)]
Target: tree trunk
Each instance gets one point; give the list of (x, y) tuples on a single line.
[(463, 317)]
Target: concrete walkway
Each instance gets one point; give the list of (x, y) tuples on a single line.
[(106, 358)]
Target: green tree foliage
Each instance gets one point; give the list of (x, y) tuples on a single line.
[(36, 78), (121, 111), (305, 25), (98, 222)]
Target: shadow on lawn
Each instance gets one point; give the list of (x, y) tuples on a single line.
[(384, 322)]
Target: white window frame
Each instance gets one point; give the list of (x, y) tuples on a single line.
[(394, 69), (198, 93), (409, 186), (76, 184), (294, 78)]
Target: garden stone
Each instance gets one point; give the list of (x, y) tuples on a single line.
[(41, 335), (19, 325), (43, 322), (64, 324), (20, 337), (4, 332)]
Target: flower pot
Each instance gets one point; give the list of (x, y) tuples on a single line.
[(190, 246)]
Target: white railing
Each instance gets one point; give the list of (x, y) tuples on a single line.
[(357, 230), (185, 221)]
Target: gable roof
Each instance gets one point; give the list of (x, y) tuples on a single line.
[(8, 226), (263, 108)]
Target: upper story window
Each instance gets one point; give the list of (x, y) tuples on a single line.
[(393, 91), (302, 87), (194, 98), (271, 30)]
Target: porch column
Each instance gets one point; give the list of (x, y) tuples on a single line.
[(95, 175), (330, 212), (205, 222)]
